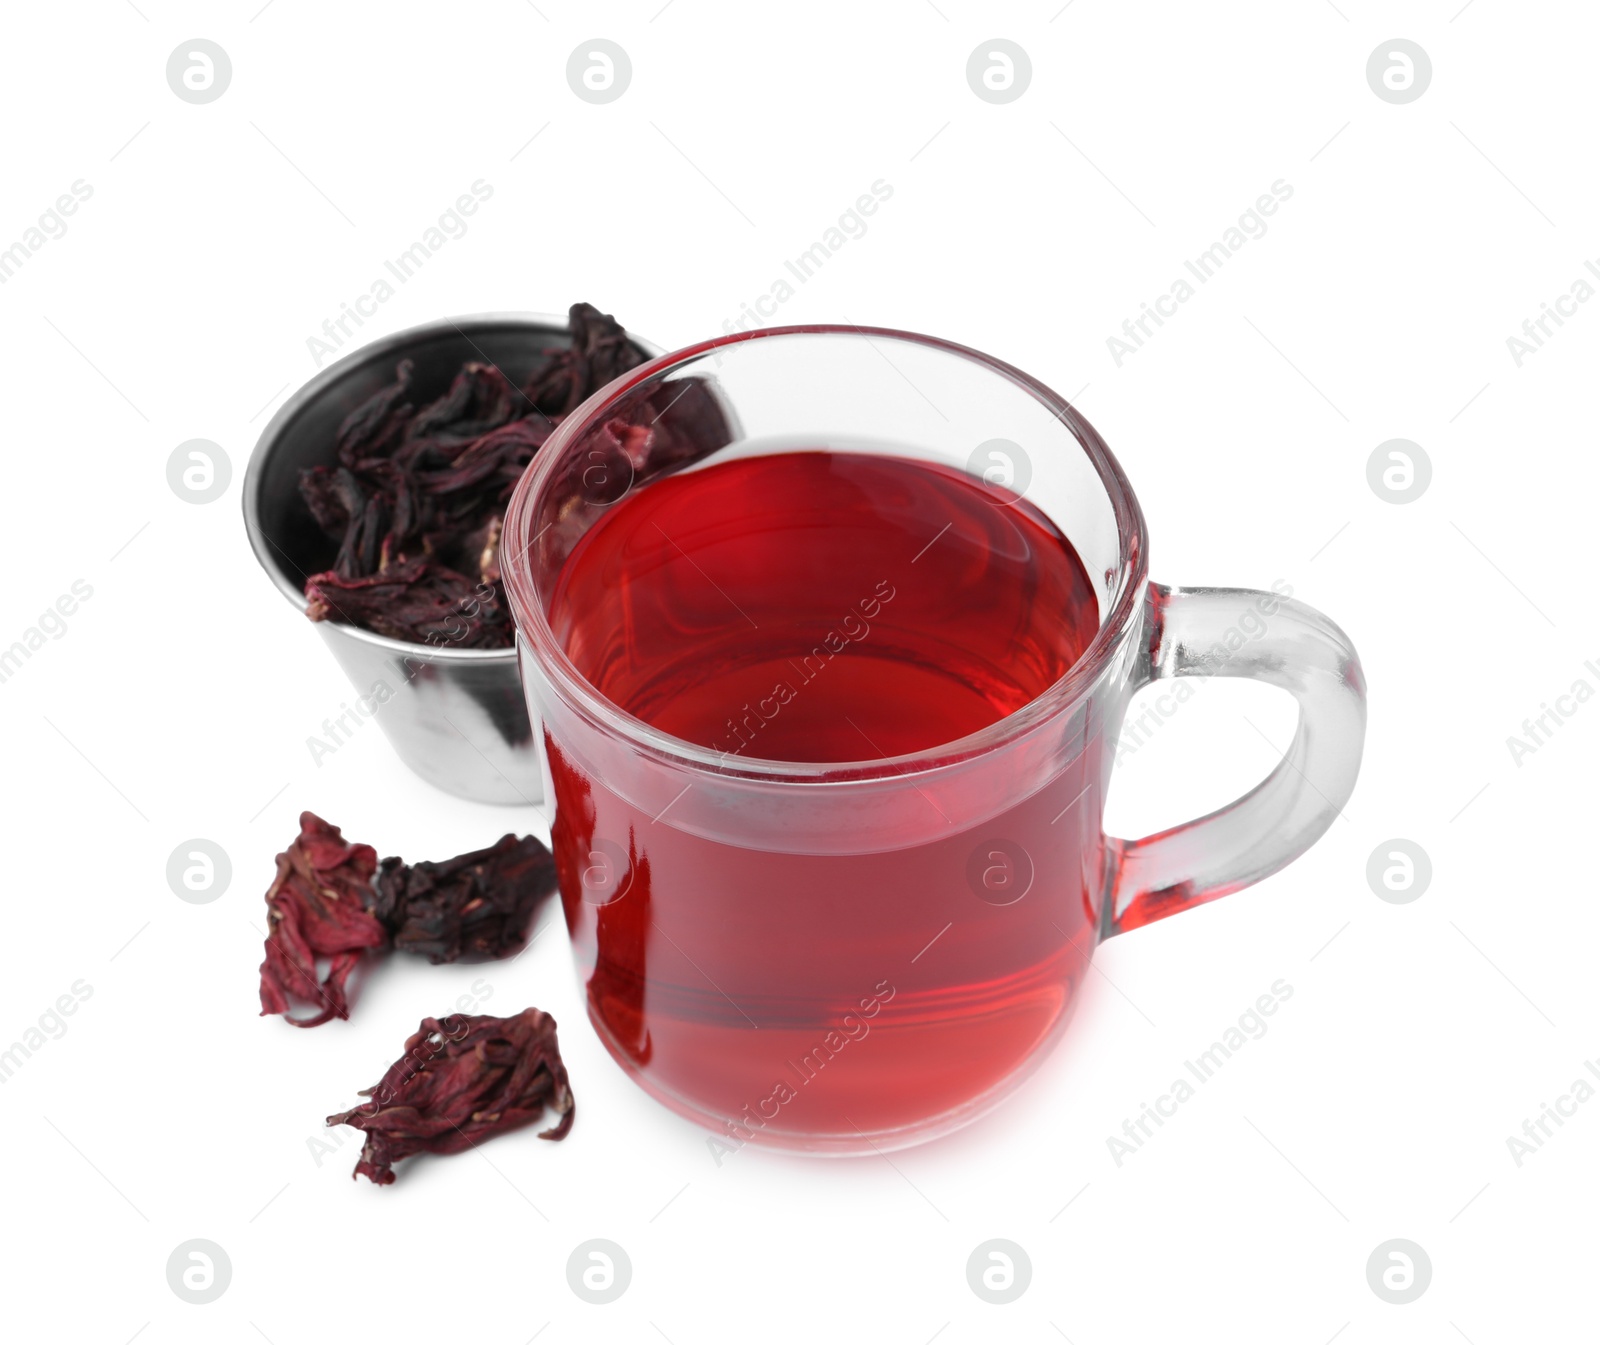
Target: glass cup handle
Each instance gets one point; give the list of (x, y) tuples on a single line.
[(1233, 632)]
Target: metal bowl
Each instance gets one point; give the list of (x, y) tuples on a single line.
[(457, 717)]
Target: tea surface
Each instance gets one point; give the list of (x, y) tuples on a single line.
[(820, 606)]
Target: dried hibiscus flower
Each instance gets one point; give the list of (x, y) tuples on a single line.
[(319, 906), (480, 903), (330, 902), (417, 495), (463, 1079), (600, 351), (415, 600)]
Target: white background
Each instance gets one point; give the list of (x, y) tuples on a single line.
[(177, 704)]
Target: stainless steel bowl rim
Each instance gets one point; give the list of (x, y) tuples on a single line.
[(314, 387)]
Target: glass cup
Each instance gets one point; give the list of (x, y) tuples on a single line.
[(853, 956)]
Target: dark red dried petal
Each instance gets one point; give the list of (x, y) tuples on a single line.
[(463, 1079), (478, 904), (368, 431), (420, 601), (333, 496), (426, 488), (318, 907), (600, 351), (511, 445), (480, 399)]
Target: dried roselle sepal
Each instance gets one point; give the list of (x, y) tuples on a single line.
[(550, 381), (390, 534), (362, 549), (419, 601), (481, 461), (417, 496), (600, 351), (688, 422), (318, 907), (372, 429), (463, 1079), (328, 902), (333, 496), (647, 435), (480, 399), (478, 904)]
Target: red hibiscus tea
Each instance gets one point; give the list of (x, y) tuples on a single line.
[(821, 606), (828, 721)]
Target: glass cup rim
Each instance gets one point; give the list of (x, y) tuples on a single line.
[(535, 633)]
